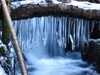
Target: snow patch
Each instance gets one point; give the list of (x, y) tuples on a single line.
[(81, 4), (2, 72), (86, 5)]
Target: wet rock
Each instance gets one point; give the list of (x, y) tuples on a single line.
[(94, 52), (65, 1), (91, 53), (85, 52)]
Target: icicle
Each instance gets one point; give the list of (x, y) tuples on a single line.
[(65, 32), (45, 35), (60, 33), (52, 34), (88, 31), (82, 33), (92, 26), (74, 30), (78, 24), (69, 28), (72, 42), (37, 31)]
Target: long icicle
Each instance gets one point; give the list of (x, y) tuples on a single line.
[(14, 38)]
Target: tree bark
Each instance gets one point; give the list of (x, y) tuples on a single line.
[(63, 9), (5, 29), (14, 38), (30, 10)]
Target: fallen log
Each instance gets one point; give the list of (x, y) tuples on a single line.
[(85, 11), (31, 10)]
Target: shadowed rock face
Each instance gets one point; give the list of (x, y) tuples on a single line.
[(94, 53), (49, 1), (94, 1), (15, 0), (96, 32), (65, 1)]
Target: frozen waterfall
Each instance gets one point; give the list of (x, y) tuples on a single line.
[(53, 35), (44, 40)]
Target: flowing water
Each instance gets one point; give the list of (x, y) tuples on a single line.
[(46, 43)]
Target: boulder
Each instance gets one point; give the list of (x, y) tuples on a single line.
[(94, 50), (94, 53)]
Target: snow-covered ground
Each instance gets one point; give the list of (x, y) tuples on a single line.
[(84, 4), (2, 59), (2, 72)]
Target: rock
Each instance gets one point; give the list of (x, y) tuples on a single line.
[(91, 53), (94, 1), (65, 1), (96, 32), (49, 1), (94, 53), (85, 52), (94, 50), (95, 35)]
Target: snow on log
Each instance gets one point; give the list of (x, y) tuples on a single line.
[(27, 9)]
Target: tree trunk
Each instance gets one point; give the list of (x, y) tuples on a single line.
[(14, 38), (5, 29)]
